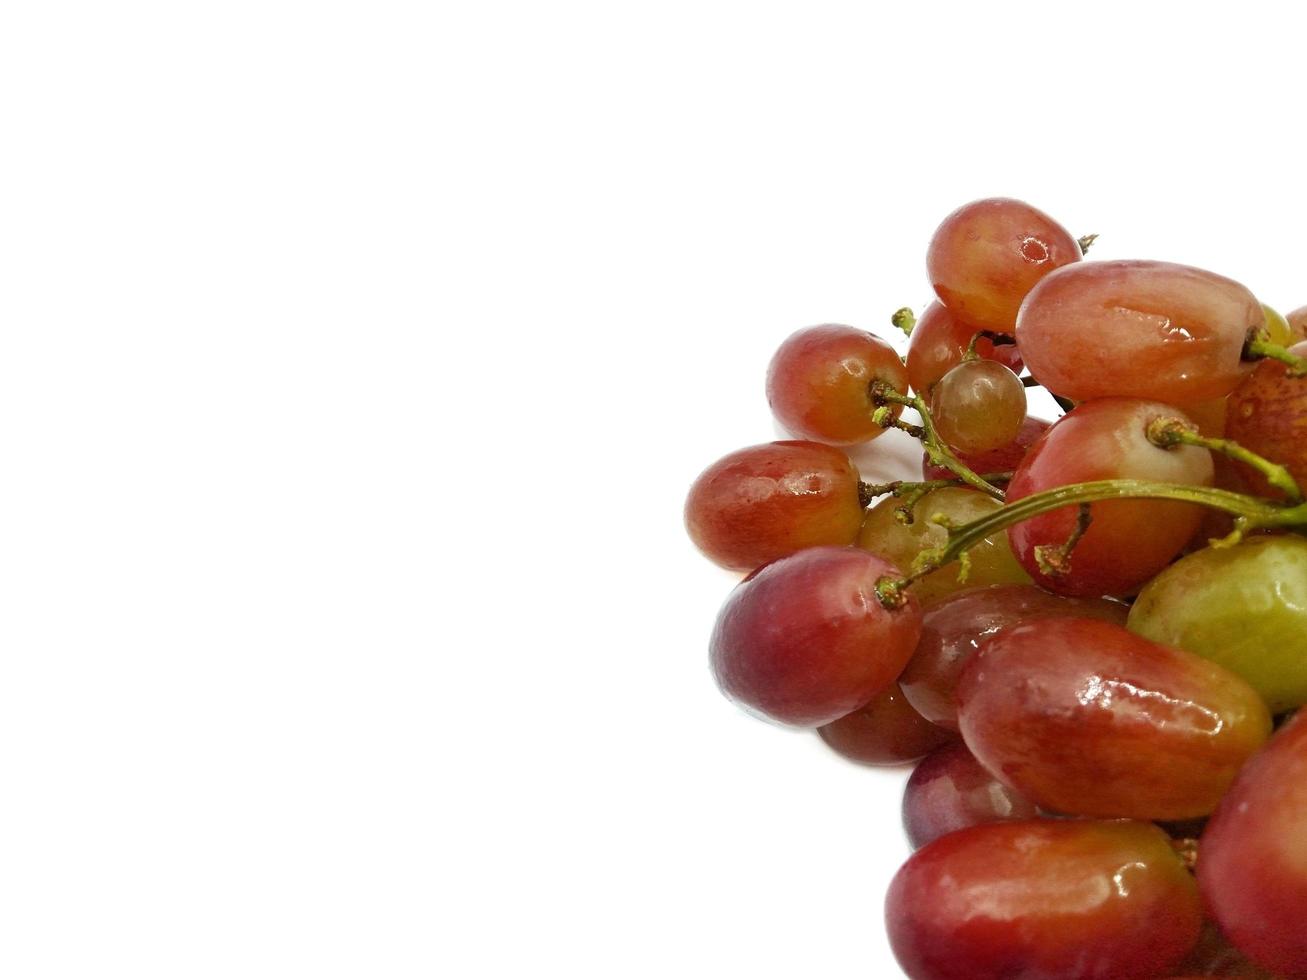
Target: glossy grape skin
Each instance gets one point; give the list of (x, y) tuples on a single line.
[(938, 342), (979, 406), (764, 502), (953, 629), (1137, 329), (886, 731), (992, 561), (1244, 608), (1267, 415), (804, 641), (1044, 900), (1252, 858), (949, 790), (818, 384), (1004, 459), (1087, 718), (987, 255), (1128, 541)]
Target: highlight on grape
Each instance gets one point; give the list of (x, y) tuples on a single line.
[(1088, 632)]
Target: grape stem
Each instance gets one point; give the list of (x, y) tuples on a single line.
[(904, 319), (884, 396), (994, 337), (1084, 241), (1170, 432), (1257, 348), (1253, 512), (1055, 560), (911, 491)]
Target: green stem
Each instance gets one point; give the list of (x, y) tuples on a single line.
[(1084, 241), (884, 396), (1258, 513), (904, 319), (897, 488), (1257, 348), (1168, 432)]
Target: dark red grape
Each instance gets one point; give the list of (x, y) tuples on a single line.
[(1004, 459), (804, 641), (765, 502), (938, 342), (1252, 859), (950, 790), (1128, 541), (954, 628), (987, 255), (885, 731), (1087, 718), (1044, 900), (819, 381), (1138, 330)]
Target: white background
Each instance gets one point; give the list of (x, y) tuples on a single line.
[(356, 360)]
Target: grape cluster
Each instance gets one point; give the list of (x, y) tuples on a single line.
[(1091, 631)]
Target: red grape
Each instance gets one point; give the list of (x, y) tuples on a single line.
[(938, 342), (978, 406), (950, 790), (1085, 717), (1044, 900), (805, 640), (985, 257), (1216, 956), (885, 731), (1004, 459), (954, 628), (1128, 541), (764, 502), (1137, 329), (1252, 859), (1266, 415), (1298, 323), (818, 384)]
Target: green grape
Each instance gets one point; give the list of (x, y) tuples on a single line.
[(1244, 608), (1277, 329), (990, 563)]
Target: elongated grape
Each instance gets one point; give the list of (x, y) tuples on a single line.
[(949, 790), (886, 731), (978, 406), (1044, 900), (804, 641), (953, 629), (1137, 329), (1004, 459), (1267, 414), (1252, 859), (1244, 608), (765, 502), (1128, 541), (1085, 717), (883, 533), (985, 257), (819, 381), (938, 342)]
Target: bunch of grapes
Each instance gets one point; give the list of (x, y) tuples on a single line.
[(1092, 631)]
